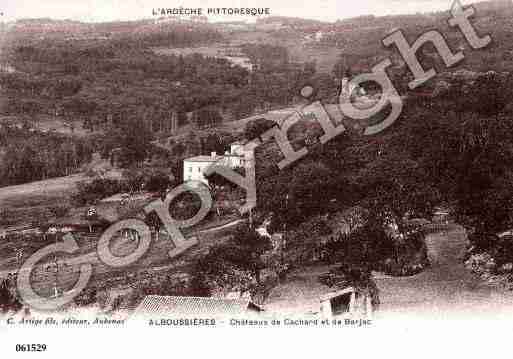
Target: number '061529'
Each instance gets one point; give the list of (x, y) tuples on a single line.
[(30, 347)]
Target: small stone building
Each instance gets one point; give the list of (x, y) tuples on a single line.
[(346, 302)]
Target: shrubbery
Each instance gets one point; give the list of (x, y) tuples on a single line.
[(236, 265), (254, 129), (372, 248), (8, 299), (59, 210), (498, 249), (99, 188), (6, 217)]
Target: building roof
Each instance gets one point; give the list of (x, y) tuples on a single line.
[(332, 295), (509, 232), (202, 158), (171, 305), (205, 158), (300, 295)]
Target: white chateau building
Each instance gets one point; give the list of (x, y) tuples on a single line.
[(194, 167)]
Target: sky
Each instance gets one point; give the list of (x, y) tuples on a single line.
[(112, 10)]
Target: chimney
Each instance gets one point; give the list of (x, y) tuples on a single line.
[(213, 155)]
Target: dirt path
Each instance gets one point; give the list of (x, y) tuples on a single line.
[(446, 288)]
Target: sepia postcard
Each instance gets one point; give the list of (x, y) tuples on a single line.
[(252, 179)]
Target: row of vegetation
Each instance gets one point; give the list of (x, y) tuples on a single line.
[(30, 155)]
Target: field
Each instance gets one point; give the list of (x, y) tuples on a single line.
[(29, 198), (46, 123), (40, 192), (63, 271), (325, 57), (212, 50)]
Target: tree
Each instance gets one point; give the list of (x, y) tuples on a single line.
[(309, 69), (395, 188), (6, 217), (212, 143), (81, 108), (309, 180), (459, 95), (181, 118), (135, 142), (67, 86), (483, 193), (153, 220), (90, 192), (206, 117), (343, 66), (192, 145), (249, 247), (236, 264), (178, 149), (8, 301), (490, 94), (325, 87), (60, 211), (158, 182), (254, 129)]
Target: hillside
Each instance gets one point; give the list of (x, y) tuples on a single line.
[(145, 96)]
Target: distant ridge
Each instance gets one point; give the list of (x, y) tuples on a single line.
[(288, 20)]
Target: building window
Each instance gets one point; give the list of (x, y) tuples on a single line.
[(190, 169), (199, 169)]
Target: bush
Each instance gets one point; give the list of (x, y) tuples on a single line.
[(158, 181), (8, 300), (89, 193), (59, 210), (86, 298), (254, 129), (371, 248), (206, 117), (500, 249), (503, 253), (6, 217), (481, 242)]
